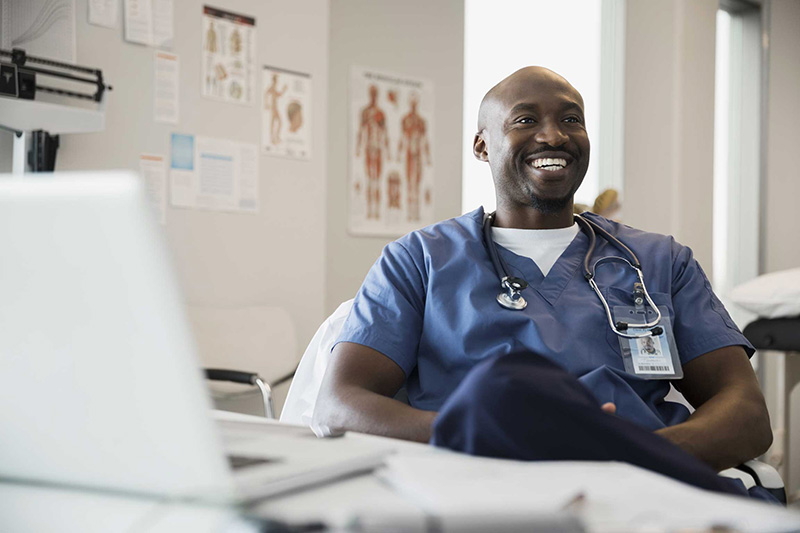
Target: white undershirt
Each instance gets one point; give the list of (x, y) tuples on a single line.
[(544, 246)]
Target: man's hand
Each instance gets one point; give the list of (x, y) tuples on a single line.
[(731, 423), (356, 395), (609, 407)]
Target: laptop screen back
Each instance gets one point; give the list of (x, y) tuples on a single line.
[(99, 382)]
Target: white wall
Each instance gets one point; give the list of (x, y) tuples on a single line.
[(782, 240), (275, 257), (416, 38), (295, 253), (669, 120), (781, 245)]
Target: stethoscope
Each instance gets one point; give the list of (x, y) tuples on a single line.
[(511, 297)]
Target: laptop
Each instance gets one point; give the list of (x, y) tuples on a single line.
[(99, 380)]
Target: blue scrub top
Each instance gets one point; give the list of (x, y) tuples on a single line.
[(429, 305)]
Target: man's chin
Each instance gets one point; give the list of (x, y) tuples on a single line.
[(549, 205)]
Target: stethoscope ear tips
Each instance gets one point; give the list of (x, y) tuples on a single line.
[(655, 332)]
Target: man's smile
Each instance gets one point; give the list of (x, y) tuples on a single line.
[(548, 163)]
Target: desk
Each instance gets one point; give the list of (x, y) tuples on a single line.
[(618, 496)]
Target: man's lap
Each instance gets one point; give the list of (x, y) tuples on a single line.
[(523, 406)]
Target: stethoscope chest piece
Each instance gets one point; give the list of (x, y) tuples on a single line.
[(511, 298), (509, 303)]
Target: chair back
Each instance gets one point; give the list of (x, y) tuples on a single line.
[(299, 406)]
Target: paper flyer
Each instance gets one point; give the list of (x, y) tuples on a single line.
[(286, 113), (153, 170), (149, 22), (166, 107), (215, 174), (103, 13), (138, 21), (163, 23), (391, 143), (228, 60)]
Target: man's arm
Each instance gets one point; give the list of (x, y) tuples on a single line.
[(731, 423), (356, 395)]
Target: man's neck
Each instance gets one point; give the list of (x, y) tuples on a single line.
[(531, 218)]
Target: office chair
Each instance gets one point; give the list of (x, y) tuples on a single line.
[(250, 378)]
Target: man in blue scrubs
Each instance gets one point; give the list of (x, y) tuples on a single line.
[(548, 381)]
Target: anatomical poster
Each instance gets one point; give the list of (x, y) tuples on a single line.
[(286, 113), (229, 56), (390, 148)]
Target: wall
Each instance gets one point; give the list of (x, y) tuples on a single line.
[(417, 38), (781, 242), (669, 120), (275, 257)]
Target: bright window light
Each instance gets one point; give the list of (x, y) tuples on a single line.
[(502, 36)]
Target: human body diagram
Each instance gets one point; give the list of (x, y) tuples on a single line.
[(373, 139), (271, 96), (414, 139)]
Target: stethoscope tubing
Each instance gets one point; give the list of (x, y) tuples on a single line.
[(512, 298)]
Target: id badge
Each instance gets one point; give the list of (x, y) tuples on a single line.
[(648, 357)]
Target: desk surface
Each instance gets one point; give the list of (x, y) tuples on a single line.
[(616, 497)]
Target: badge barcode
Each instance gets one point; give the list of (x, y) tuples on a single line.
[(653, 368)]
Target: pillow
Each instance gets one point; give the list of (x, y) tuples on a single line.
[(774, 295)]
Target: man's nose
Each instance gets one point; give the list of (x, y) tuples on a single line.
[(550, 133)]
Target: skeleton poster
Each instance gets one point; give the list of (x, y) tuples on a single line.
[(228, 64), (391, 169), (286, 113)]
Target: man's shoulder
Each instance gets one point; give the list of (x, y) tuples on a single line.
[(628, 233), (441, 234)]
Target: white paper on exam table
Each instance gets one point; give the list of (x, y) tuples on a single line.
[(617, 496)]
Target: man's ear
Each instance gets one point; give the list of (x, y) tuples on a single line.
[(479, 147)]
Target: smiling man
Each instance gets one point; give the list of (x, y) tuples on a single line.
[(515, 333)]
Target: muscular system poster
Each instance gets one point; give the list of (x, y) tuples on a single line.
[(391, 168)]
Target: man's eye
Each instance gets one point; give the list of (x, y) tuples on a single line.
[(574, 120), (526, 120)]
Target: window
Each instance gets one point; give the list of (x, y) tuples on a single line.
[(502, 36)]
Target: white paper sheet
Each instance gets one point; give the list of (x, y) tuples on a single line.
[(163, 23), (166, 107), (104, 13), (214, 174), (229, 56), (44, 28), (139, 21), (153, 169), (286, 113), (616, 496)]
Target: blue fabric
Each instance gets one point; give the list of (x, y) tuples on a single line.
[(428, 304), (523, 406)]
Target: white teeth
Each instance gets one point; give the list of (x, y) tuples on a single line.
[(549, 163)]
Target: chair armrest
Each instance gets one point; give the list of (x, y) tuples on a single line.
[(763, 475), (736, 473), (235, 376), (766, 476), (246, 378)]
